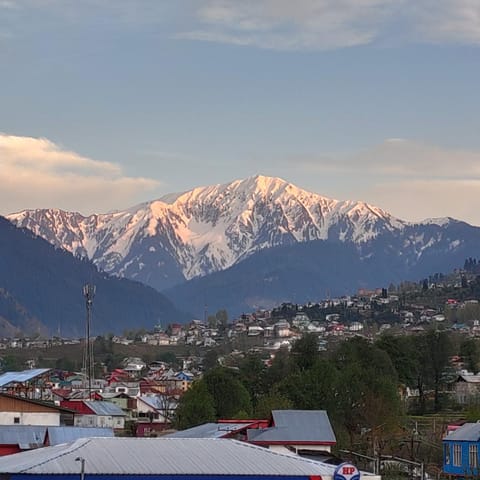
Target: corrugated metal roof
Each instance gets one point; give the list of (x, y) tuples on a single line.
[(20, 377), (161, 456), (469, 432), (22, 434), (296, 426), (59, 435), (105, 408), (208, 430), (470, 378), (28, 436)]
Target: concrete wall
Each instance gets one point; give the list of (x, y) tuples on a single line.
[(30, 418)]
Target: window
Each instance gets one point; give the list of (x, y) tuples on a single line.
[(16, 420), (457, 455), (473, 456), (447, 453)]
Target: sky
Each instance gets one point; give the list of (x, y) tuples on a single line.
[(108, 103)]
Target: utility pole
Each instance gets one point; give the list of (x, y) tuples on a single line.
[(89, 294)]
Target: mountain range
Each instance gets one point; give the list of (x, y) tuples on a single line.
[(254, 242), (41, 292)]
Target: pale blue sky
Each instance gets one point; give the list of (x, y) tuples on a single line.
[(105, 103)]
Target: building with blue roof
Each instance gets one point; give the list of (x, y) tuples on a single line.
[(461, 451)]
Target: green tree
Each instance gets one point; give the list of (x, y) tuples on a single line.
[(168, 357), (271, 401), (281, 367), (212, 321), (404, 356), (195, 407), (435, 349), (229, 395), (470, 353), (222, 319), (313, 388), (367, 395), (252, 370), (210, 359), (305, 351)]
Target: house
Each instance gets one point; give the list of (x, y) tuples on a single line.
[(156, 408), (127, 403), (467, 388), (293, 430), (460, 451), (282, 329), (23, 411), (26, 383), (101, 414), (287, 431)]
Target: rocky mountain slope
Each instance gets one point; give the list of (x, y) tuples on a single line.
[(41, 292), (208, 229), (196, 244)]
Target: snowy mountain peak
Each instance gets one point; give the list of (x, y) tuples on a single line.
[(207, 228)]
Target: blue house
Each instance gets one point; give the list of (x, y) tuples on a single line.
[(460, 451)]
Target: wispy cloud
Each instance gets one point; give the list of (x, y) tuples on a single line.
[(410, 179), (441, 21), (287, 25), (401, 158), (277, 24), (331, 24), (35, 172)]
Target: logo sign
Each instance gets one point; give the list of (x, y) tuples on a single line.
[(346, 471)]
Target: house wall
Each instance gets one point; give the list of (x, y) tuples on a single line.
[(30, 418), (284, 449), (101, 421), (464, 469), (466, 392)]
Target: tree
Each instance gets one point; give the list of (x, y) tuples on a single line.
[(313, 388), (252, 370), (195, 407), (271, 401), (470, 353), (222, 319), (281, 367), (210, 360), (212, 321), (305, 351), (435, 349), (404, 356), (366, 375), (229, 396)]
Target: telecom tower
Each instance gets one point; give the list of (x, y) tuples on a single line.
[(88, 370)]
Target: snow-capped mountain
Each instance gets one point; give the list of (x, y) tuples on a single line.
[(208, 229)]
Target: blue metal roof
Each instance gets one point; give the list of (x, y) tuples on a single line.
[(469, 432), (296, 426), (32, 436), (21, 377), (208, 430), (22, 435), (58, 435), (105, 408)]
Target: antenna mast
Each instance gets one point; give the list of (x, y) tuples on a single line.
[(88, 370)]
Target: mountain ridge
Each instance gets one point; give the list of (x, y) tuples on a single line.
[(41, 291), (208, 230)]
